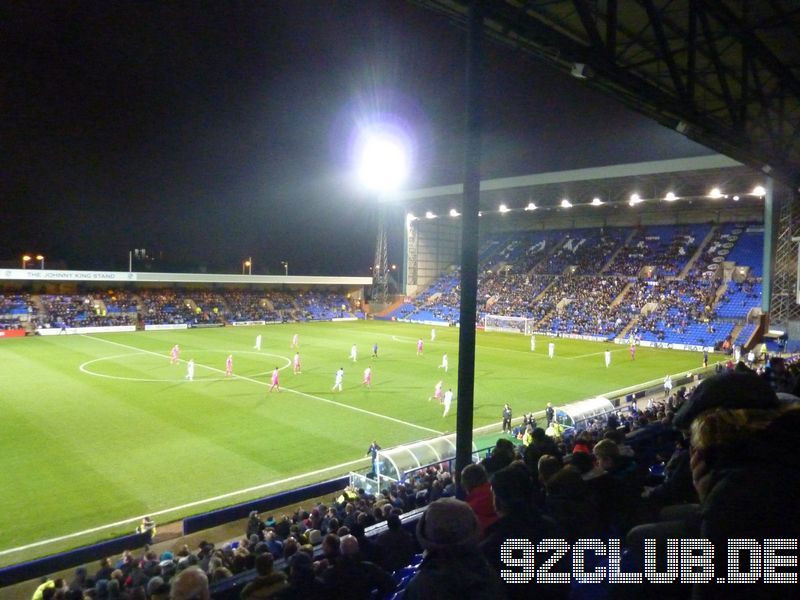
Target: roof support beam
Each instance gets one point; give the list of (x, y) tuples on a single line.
[(663, 46)]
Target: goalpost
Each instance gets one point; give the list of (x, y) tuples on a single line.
[(522, 325)]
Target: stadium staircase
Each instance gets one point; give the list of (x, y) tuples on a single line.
[(618, 300), (613, 256), (701, 248), (541, 294), (624, 333)]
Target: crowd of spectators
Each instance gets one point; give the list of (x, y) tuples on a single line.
[(668, 249), (166, 307), (78, 310), (15, 310), (250, 306), (588, 310)]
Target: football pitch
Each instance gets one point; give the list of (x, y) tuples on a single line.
[(97, 431)]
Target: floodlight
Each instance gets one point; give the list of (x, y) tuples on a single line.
[(566, 203), (635, 199), (454, 212), (670, 197), (596, 201), (759, 191), (430, 215), (410, 217), (736, 198), (715, 193), (503, 208), (382, 160), (531, 206)]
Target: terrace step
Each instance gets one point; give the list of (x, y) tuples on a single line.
[(622, 246), (701, 247)]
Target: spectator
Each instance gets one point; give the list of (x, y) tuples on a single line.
[(351, 577), (513, 491), (303, 583), (190, 584), (475, 482), (267, 582), (453, 566), (395, 546)]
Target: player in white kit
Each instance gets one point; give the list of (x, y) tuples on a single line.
[(353, 353), (444, 364), (258, 342), (448, 400), (608, 358), (533, 343), (190, 370), (296, 363), (433, 334), (337, 384), (551, 350)]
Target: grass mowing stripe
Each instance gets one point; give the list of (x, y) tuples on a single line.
[(245, 378)]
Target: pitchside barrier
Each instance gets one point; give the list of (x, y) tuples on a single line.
[(241, 511), (66, 560)]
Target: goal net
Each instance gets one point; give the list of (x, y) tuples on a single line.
[(522, 325)]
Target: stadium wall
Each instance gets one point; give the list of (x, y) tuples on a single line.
[(66, 560), (241, 511)]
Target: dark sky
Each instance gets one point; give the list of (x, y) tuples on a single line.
[(211, 131)]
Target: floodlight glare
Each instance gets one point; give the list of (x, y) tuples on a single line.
[(715, 193), (503, 208), (454, 212), (670, 197), (597, 202), (531, 206), (566, 203), (430, 215), (382, 161), (759, 191), (736, 198)]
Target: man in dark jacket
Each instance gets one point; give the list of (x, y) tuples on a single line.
[(453, 567), (351, 577), (395, 546), (268, 582)]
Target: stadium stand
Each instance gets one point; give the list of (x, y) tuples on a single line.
[(647, 285)]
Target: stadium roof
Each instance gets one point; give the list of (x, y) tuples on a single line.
[(685, 177), (725, 73), (148, 277)]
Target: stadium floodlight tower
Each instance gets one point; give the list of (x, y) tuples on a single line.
[(383, 164)]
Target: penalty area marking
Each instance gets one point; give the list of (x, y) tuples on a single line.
[(181, 507), (264, 383)]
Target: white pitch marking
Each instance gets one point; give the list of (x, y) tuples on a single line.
[(592, 354), (181, 507), (299, 393)]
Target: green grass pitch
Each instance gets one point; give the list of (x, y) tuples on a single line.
[(100, 429)]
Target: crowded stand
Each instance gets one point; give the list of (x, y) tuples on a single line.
[(15, 310), (624, 475), (588, 306), (161, 307), (321, 306), (80, 310), (250, 306), (660, 304), (667, 248)]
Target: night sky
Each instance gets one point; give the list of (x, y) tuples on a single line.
[(206, 132)]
